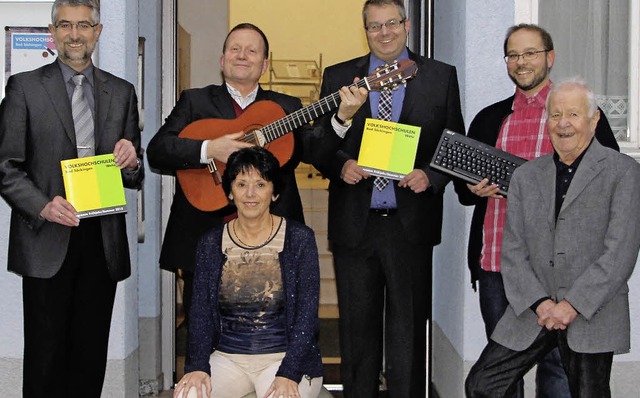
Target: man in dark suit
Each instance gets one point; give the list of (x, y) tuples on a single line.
[(69, 267), (382, 241), (571, 242), (244, 60)]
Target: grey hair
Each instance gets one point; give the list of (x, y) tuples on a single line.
[(94, 5), (579, 83)]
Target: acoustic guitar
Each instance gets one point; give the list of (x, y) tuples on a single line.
[(266, 124)]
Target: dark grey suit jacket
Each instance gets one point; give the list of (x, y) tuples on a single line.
[(432, 101), (585, 257), (167, 152), (36, 133)]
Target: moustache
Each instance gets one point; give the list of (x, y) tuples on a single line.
[(75, 41)]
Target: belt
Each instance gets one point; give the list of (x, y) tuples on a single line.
[(383, 212)]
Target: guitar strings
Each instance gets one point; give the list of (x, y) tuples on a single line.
[(293, 120)]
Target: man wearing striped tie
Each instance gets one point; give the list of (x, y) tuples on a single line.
[(69, 267), (383, 231)]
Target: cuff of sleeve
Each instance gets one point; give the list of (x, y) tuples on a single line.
[(203, 152), (340, 129), (291, 376), (134, 171), (535, 305)]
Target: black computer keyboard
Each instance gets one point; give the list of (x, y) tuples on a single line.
[(473, 161)]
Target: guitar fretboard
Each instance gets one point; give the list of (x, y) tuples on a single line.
[(302, 116)]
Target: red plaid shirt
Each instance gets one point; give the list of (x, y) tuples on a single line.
[(523, 133)]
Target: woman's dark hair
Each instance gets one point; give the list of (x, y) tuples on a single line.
[(257, 158)]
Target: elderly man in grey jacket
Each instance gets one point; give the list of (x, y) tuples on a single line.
[(570, 244)]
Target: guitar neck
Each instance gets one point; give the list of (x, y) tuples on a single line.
[(304, 115)]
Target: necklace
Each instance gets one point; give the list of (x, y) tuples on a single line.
[(233, 227)]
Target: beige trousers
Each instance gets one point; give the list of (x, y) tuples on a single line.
[(236, 375)]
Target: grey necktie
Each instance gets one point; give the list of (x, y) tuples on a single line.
[(82, 119), (384, 113)]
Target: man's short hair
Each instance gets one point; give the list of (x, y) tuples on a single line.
[(398, 3), (547, 41), (575, 82), (249, 26), (94, 5)]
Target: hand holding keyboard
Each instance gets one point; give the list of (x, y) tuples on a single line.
[(471, 160)]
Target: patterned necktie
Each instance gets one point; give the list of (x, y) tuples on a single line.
[(82, 119), (384, 113)]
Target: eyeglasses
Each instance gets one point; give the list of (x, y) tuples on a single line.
[(527, 56), (82, 26), (391, 24)]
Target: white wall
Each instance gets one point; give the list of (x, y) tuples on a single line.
[(149, 293), (468, 34), (117, 54)]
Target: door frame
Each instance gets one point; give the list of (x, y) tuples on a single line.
[(167, 282)]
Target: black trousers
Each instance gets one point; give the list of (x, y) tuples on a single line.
[(551, 379), (67, 320), (384, 294), (498, 369)]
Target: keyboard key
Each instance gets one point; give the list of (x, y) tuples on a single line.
[(471, 160)]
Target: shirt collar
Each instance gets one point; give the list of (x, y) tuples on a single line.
[(537, 100), (237, 96), (68, 72), (562, 166), (375, 62)]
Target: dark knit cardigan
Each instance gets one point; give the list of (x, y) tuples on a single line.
[(301, 280)]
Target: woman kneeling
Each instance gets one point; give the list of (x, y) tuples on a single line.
[(254, 315)]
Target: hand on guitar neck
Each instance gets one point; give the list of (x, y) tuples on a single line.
[(220, 148), (351, 99)]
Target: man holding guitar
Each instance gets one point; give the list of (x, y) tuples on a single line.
[(382, 238), (244, 60)]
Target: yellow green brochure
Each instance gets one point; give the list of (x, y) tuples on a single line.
[(94, 185), (388, 149)]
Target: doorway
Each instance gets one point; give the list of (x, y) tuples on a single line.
[(193, 34)]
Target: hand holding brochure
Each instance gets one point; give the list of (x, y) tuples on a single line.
[(388, 149), (93, 185)]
